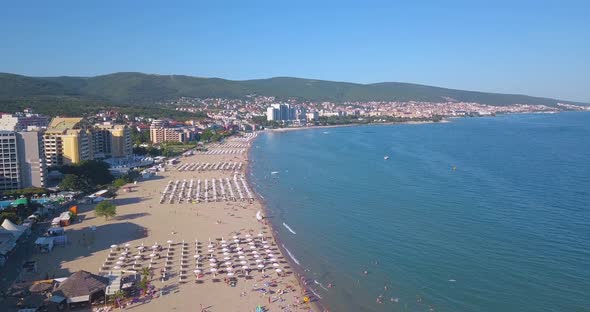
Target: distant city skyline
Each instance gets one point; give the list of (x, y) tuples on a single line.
[(531, 47)]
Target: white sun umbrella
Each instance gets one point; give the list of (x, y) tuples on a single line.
[(239, 248), (266, 246), (228, 263), (240, 252), (223, 245), (254, 252), (226, 253), (241, 257), (260, 266), (236, 241), (248, 235), (251, 243), (169, 241), (117, 267), (124, 253), (243, 262), (230, 273), (113, 246), (152, 255), (197, 271), (225, 250), (226, 258), (210, 250), (119, 262), (276, 265), (274, 259), (258, 261), (141, 247), (121, 258), (278, 270), (260, 235), (155, 247), (127, 245), (213, 270), (252, 247), (213, 265), (212, 260), (235, 237), (249, 239), (197, 256)]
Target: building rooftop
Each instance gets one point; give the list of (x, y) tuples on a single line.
[(61, 123)]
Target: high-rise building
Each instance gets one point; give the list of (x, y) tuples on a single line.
[(68, 141), (161, 131), (112, 141), (31, 158), (281, 112), (9, 167), (21, 160), (23, 121)]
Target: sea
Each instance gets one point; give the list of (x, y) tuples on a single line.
[(476, 214)]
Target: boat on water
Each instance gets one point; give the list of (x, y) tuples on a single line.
[(386, 158)]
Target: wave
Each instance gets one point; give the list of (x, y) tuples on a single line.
[(315, 293), (291, 255), (288, 228), (322, 286)]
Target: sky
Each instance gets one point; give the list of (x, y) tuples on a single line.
[(539, 48)]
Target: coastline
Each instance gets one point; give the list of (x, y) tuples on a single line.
[(299, 271), (445, 120)]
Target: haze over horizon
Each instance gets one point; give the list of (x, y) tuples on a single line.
[(524, 48)]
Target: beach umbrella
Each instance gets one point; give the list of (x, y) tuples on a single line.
[(266, 246), (213, 265), (240, 252), (274, 259), (230, 274), (239, 248), (210, 250), (243, 262), (124, 253), (127, 245), (260, 235), (210, 245), (137, 257), (113, 246), (117, 267), (119, 262), (252, 247), (236, 241), (258, 260), (225, 250), (278, 271), (241, 257), (248, 235), (261, 266), (254, 252), (226, 258), (169, 241), (275, 265), (213, 270), (224, 245), (235, 237), (212, 260), (121, 258), (251, 243), (228, 263), (197, 256)]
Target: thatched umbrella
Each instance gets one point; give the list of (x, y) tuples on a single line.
[(41, 287)]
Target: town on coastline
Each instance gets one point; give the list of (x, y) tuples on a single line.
[(179, 215)]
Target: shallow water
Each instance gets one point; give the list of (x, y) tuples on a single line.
[(507, 230)]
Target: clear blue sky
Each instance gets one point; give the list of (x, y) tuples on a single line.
[(532, 47)]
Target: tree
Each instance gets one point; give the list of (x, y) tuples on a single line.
[(76, 183), (96, 171), (105, 209), (119, 182)]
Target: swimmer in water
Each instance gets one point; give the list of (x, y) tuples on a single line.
[(365, 272), (396, 300), (385, 287)]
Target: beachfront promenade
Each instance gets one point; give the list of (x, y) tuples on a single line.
[(192, 245)]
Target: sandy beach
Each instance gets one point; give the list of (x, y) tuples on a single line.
[(142, 220)]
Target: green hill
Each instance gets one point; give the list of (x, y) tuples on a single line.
[(137, 89)]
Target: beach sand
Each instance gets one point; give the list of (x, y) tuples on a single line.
[(142, 219)]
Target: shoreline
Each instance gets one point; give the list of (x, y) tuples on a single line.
[(357, 125), (296, 268)]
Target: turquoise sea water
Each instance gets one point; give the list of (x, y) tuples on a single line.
[(507, 230)]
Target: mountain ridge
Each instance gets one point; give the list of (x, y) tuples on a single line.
[(135, 88)]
